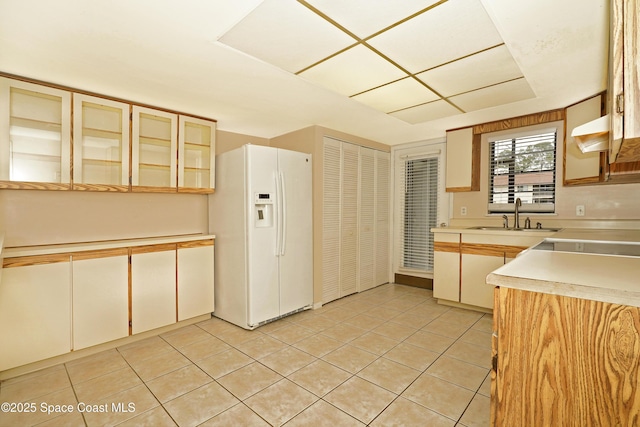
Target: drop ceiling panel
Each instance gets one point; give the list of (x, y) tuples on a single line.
[(426, 112), (449, 31), (473, 72), (504, 93), (286, 34), (395, 96), (353, 71), (366, 17)]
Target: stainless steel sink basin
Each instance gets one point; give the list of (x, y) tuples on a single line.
[(482, 227)]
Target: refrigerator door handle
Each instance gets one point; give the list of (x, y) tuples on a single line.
[(278, 214), (283, 214)]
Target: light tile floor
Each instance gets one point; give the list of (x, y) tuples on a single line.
[(390, 356)]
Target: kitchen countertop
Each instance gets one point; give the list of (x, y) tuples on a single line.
[(595, 276), (495, 230), (22, 251)]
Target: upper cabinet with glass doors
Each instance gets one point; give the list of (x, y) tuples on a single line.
[(154, 150), (35, 131), (116, 146), (100, 144), (196, 155)]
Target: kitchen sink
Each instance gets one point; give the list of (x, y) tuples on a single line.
[(482, 227)]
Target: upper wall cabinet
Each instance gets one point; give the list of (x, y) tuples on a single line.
[(579, 167), (35, 132), (116, 146), (625, 81), (463, 160), (100, 144), (196, 155), (154, 150)]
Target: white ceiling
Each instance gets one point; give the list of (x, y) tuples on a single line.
[(393, 71)]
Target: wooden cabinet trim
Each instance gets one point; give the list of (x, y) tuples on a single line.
[(150, 189), (446, 247), (522, 121), (99, 253), (196, 244), (508, 251), (23, 185), (25, 261), (196, 190), (153, 248), (101, 187)]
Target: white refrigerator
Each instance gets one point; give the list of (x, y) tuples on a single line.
[(261, 215)]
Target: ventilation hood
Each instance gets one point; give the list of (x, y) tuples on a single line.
[(592, 136)]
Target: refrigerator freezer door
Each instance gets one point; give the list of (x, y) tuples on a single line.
[(262, 284), (296, 260)]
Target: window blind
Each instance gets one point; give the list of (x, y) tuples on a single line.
[(420, 212), (525, 168)]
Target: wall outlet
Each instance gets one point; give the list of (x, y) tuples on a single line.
[(463, 210), (580, 210)]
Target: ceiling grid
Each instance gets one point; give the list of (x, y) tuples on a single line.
[(415, 67)]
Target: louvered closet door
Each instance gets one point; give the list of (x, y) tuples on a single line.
[(366, 209), (331, 221), (349, 220), (382, 172)]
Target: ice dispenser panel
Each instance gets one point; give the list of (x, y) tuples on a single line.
[(263, 210)]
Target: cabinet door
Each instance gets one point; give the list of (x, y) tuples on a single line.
[(195, 279), (196, 154), (475, 268), (154, 149), (100, 298), (367, 210), (382, 175), (35, 135), (579, 167), (35, 313), (349, 220), (153, 287), (330, 220), (100, 144), (446, 266), (463, 161)]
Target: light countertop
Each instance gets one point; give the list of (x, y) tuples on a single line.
[(100, 245), (599, 277)]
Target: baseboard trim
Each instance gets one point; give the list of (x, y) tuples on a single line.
[(417, 282)]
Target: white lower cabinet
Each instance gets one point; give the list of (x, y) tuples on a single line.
[(54, 303), (195, 280), (475, 268), (100, 298), (446, 266), (462, 262), (35, 313), (153, 287)]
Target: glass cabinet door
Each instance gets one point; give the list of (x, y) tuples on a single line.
[(154, 149), (35, 131), (196, 154), (100, 144)]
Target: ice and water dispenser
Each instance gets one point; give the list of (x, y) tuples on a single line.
[(263, 210)]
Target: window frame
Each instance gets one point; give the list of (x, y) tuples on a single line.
[(513, 135)]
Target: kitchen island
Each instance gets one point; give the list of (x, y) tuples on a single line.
[(566, 341)]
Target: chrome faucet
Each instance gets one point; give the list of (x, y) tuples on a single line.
[(505, 221), (516, 216)]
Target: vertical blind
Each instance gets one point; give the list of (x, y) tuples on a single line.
[(420, 212), (525, 168)]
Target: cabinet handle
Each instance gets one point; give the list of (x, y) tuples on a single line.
[(620, 103)]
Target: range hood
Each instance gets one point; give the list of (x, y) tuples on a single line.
[(592, 136)]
